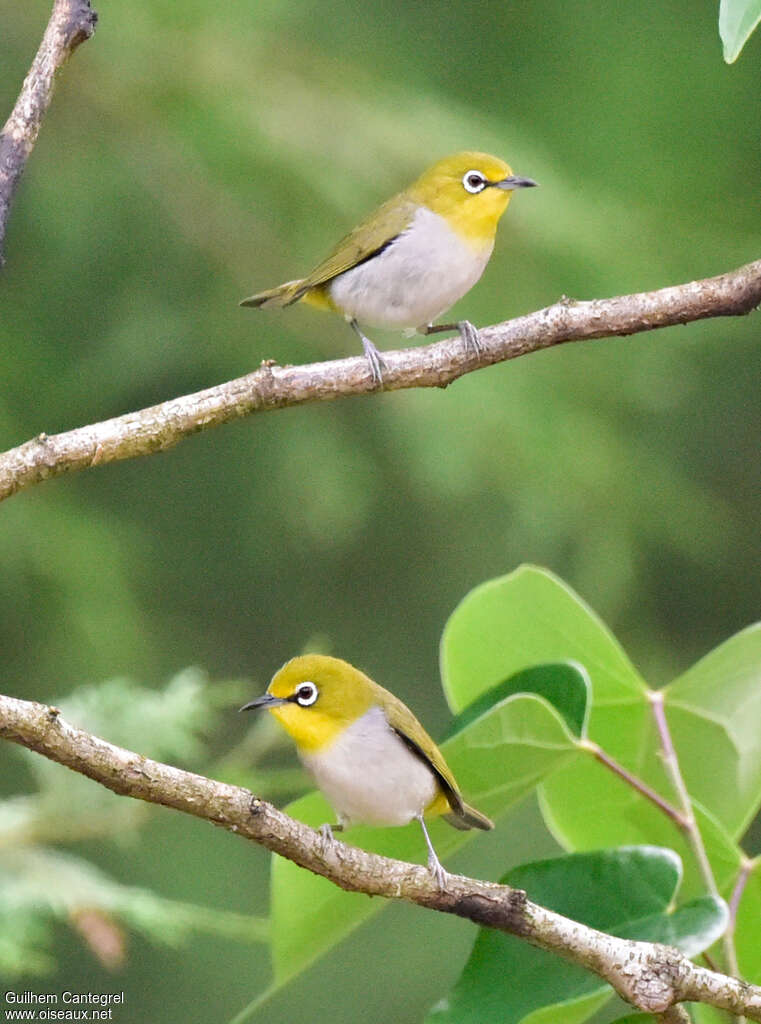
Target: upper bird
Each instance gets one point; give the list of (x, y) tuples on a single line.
[(415, 256), (368, 753)]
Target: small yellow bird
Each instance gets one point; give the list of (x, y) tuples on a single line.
[(415, 256), (368, 753)]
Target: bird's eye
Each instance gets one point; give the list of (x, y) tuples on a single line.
[(474, 182), (307, 694)]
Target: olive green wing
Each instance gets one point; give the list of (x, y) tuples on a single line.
[(412, 733), (369, 238)]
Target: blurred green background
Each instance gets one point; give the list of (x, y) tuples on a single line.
[(197, 152)]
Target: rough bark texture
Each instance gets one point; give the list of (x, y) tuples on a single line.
[(274, 387), (651, 977), (71, 23)]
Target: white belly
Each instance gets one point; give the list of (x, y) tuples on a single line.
[(410, 284), (370, 776)]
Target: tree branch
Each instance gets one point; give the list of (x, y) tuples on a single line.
[(747, 867), (71, 23), (674, 1015), (651, 977), (274, 387), (635, 782)]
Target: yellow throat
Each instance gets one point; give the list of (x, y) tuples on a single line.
[(345, 695), (473, 215)]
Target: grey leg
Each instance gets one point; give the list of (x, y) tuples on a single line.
[(468, 333), (326, 831), (372, 355), (434, 864)]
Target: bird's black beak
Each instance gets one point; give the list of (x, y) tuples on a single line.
[(515, 182), (265, 701)]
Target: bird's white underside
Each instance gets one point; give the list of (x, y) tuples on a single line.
[(416, 279), (370, 776)]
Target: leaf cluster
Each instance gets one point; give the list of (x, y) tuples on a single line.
[(539, 687)]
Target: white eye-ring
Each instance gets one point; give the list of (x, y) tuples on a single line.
[(307, 694), (474, 181)]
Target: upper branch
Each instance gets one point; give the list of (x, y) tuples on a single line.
[(273, 387), (71, 23), (649, 976)]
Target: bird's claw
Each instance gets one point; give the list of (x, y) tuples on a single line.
[(373, 356), (375, 360), (326, 834), (438, 872), (469, 335)]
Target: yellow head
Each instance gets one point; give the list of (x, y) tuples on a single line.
[(471, 190), (315, 698)]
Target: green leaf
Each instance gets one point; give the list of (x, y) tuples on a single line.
[(693, 927), (748, 927), (737, 19), (634, 821), (635, 1018), (701, 1013), (564, 684), (574, 1010), (497, 759), (528, 618), (714, 715), (628, 892)]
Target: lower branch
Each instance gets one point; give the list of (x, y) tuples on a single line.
[(651, 977), (274, 387), (71, 23), (674, 1015)]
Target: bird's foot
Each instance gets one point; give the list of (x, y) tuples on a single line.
[(328, 839), (468, 333), (434, 864), (377, 366), (373, 356), (437, 871)]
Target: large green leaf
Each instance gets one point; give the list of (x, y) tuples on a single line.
[(713, 710), (530, 618), (701, 1013), (527, 618), (564, 684), (737, 19), (714, 714), (497, 759), (748, 930), (575, 1010), (635, 821), (628, 892)]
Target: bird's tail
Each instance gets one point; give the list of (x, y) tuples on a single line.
[(283, 295), (466, 817)]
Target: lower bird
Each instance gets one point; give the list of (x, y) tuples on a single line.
[(414, 257), (368, 753)]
